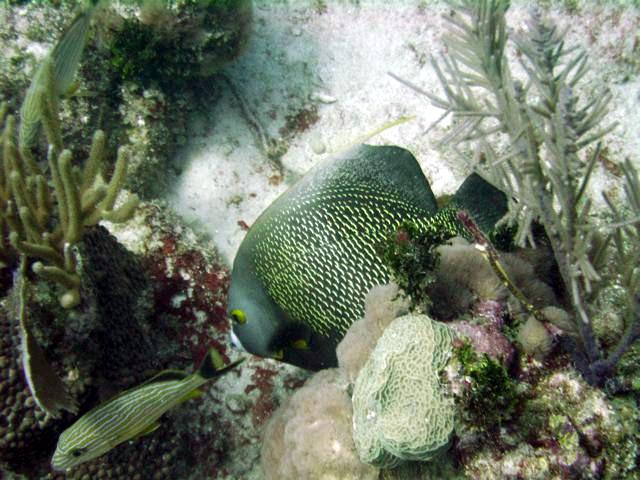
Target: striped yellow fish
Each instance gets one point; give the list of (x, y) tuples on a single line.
[(132, 413), (303, 270)]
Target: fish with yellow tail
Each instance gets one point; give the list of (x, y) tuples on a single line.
[(133, 413)]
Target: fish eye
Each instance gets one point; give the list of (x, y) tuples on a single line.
[(77, 452), (238, 316)]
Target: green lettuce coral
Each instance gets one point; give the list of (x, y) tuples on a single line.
[(401, 411)]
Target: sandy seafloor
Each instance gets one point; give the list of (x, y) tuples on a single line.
[(336, 59), (328, 61)]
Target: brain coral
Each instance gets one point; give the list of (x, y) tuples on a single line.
[(400, 409)]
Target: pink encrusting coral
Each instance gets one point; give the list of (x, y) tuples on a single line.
[(310, 435), (382, 305)]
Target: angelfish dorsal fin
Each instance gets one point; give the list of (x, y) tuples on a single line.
[(369, 135), (387, 169), (391, 168)]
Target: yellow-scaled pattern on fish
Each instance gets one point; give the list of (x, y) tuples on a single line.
[(302, 272), (132, 413)]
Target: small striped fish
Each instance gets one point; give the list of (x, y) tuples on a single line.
[(302, 272), (132, 413)]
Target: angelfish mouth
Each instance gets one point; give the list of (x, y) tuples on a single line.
[(235, 341)]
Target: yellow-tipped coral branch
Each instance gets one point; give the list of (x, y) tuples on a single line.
[(45, 219), (42, 220)]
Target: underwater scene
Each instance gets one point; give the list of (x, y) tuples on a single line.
[(319, 239)]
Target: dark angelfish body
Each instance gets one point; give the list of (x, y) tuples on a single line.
[(302, 272)]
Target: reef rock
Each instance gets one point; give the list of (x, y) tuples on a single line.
[(310, 435)]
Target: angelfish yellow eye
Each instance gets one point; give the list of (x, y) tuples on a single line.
[(238, 316)]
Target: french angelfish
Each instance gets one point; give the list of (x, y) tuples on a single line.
[(132, 413), (302, 272)]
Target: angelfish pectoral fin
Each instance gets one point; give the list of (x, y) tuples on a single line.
[(235, 341), (300, 344)]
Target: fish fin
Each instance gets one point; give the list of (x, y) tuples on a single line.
[(367, 136), (320, 354), (48, 390), (386, 168), (58, 68), (149, 429), (193, 394), (72, 90), (230, 366), (396, 169), (300, 344), (484, 202), (213, 365), (30, 110), (68, 51), (166, 375)]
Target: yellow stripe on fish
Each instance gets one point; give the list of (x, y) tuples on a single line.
[(132, 413)]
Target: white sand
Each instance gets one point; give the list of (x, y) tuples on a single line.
[(337, 60)]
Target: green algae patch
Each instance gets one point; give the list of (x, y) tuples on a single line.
[(411, 255), (492, 395), (178, 42)]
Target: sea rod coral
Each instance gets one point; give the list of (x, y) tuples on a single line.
[(554, 135), (44, 219)]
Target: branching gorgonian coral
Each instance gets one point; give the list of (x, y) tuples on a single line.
[(43, 216), (537, 141)]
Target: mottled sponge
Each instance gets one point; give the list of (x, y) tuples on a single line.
[(382, 305), (400, 409), (309, 436)]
